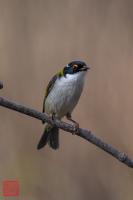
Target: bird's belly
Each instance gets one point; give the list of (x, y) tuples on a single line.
[(63, 98)]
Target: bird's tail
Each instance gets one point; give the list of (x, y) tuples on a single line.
[(50, 136)]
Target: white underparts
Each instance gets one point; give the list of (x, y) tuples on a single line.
[(65, 94)]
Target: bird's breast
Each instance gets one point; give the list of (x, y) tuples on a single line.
[(65, 94)]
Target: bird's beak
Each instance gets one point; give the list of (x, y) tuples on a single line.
[(85, 68)]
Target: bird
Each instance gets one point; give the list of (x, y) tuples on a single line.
[(61, 96)]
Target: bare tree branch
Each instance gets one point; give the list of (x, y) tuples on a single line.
[(85, 134)]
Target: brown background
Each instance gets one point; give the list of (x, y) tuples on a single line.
[(37, 38)]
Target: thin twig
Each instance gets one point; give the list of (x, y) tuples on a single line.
[(85, 134)]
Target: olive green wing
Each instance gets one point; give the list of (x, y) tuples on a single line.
[(48, 89)]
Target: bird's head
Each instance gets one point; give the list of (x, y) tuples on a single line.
[(75, 67)]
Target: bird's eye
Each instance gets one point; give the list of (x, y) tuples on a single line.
[(75, 66)]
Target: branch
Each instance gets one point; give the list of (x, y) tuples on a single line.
[(85, 134)]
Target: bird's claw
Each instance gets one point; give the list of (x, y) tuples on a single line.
[(76, 127), (53, 117)]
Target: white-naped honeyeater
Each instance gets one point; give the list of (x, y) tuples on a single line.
[(62, 95)]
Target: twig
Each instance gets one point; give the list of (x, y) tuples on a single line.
[(86, 134)]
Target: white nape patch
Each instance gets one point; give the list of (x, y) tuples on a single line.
[(67, 65)]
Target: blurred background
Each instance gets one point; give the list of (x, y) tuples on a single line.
[(37, 39)]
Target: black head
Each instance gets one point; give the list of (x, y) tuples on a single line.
[(75, 67)]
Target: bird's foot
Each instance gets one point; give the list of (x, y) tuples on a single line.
[(53, 116), (76, 125)]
